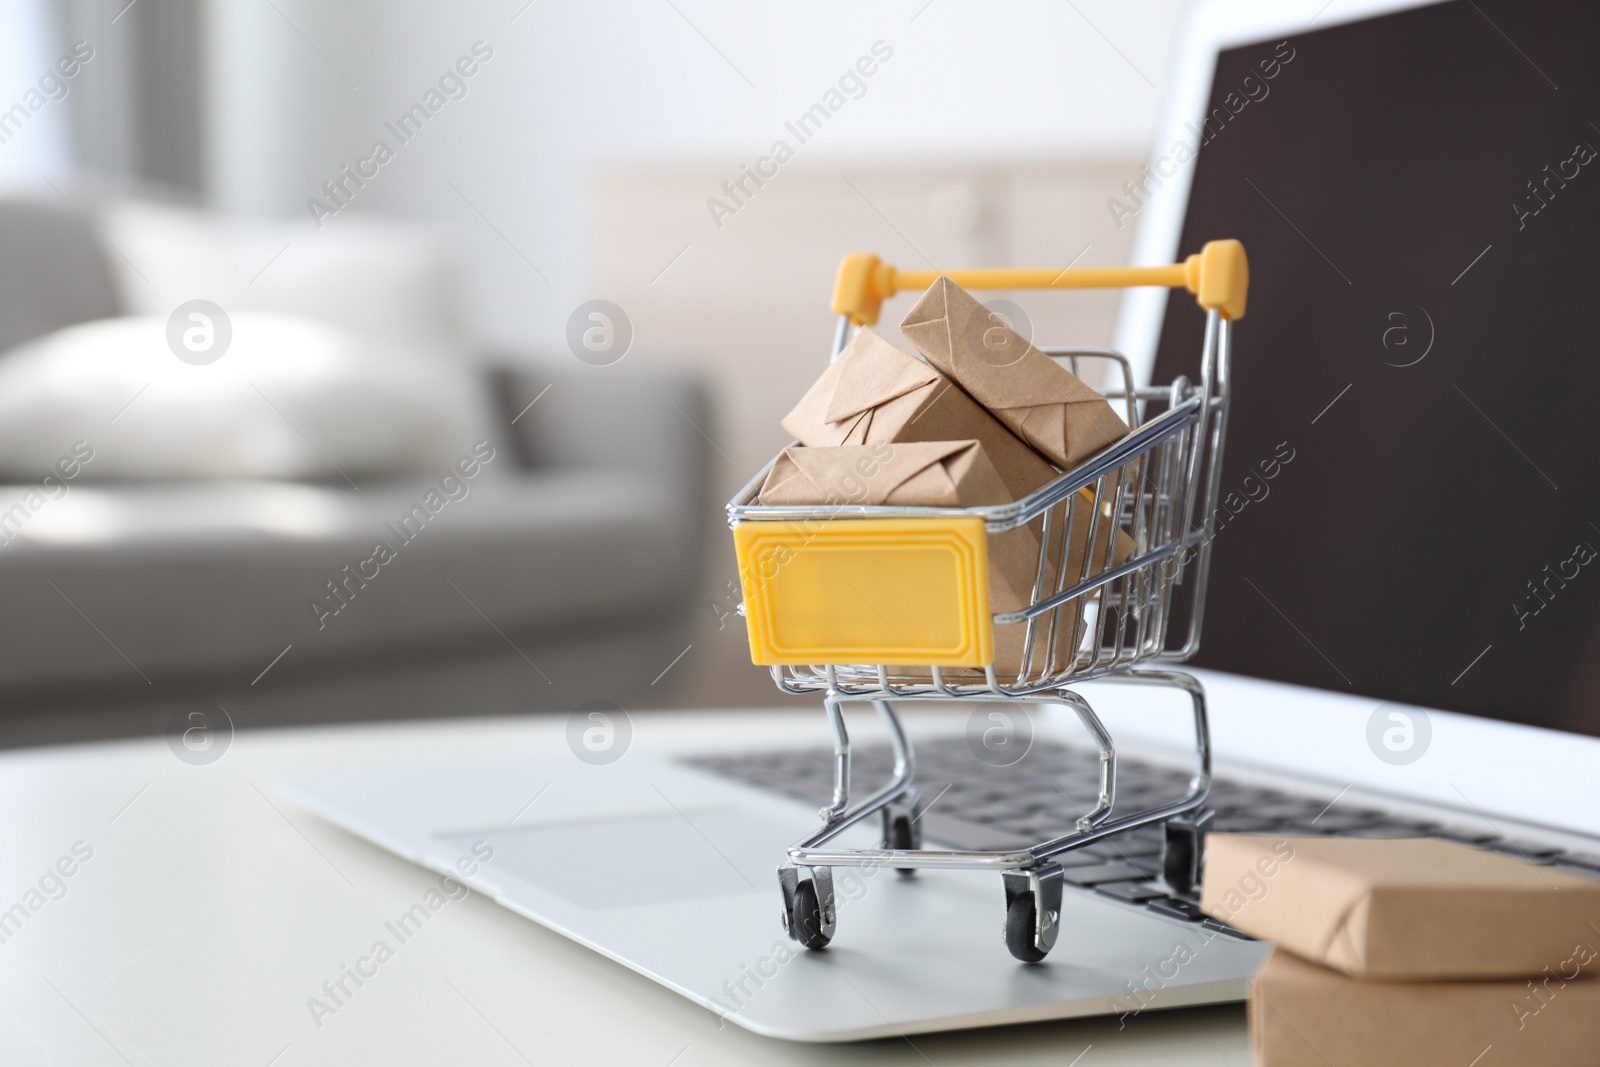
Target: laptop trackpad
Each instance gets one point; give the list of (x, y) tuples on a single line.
[(617, 863)]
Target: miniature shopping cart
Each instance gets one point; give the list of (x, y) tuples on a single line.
[(927, 632)]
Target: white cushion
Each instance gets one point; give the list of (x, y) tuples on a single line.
[(376, 277), (290, 398)]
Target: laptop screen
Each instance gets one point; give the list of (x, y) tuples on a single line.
[(1419, 368)]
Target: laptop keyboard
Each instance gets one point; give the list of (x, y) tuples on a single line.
[(971, 805)]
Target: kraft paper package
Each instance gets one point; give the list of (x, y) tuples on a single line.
[(1010, 641), (1400, 909), (944, 474), (874, 392), (1305, 1015), (1039, 400)]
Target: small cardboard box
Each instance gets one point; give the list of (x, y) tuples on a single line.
[(1041, 401), (1399, 908), (1010, 641), (944, 474), (938, 474), (874, 392), (1303, 1015)]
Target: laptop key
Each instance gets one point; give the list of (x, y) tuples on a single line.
[(1131, 892), (1080, 857), (1175, 908), (1102, 850), (1132, 848), (966, 797), (1223, 928), (1153, 834), (1243, 824), (1525, 849), (1393, 828), (1101, 873), (1560, 863), (959, 833), (988, 813), (1037, 830), (1476, 838), (1580, 859), (1288, 810), (1336, 822)]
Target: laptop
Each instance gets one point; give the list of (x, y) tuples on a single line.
[(1402, 637)]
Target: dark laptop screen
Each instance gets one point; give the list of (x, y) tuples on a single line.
[(1419, 195)]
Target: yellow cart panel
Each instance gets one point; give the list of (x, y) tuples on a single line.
[(913, 592)]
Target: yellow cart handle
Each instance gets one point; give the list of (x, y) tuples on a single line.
[(1218, 275)]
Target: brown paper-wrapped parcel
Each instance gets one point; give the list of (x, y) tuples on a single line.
[(1303, 1015), (1041, 401), (942, 474), (1399, 908), (874, 392)]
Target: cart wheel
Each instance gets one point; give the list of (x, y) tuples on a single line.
[(1019, 928), (902, 835), (805, 920), (1183, 851), (1178, 860)]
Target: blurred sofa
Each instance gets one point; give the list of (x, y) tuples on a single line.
[(593, 526)]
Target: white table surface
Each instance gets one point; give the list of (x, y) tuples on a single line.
[(208, 915)]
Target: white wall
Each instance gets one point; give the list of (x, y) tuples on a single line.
[(302, 87)]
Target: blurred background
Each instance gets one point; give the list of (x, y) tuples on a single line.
[(314, 288)]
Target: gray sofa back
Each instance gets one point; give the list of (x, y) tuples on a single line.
[(52, 273)]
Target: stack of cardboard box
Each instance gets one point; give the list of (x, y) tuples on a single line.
[(1411, 951), (982, 418)]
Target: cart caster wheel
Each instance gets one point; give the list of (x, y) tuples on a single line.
[(1183, 852), (806, 920), (1033, 911), (900, 830), (1020, 922), (900, 836), (808, 907)]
